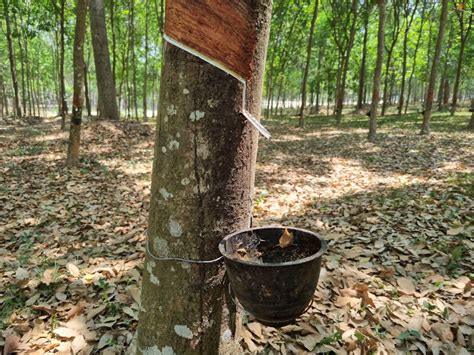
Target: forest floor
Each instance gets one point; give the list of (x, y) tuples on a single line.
[(397, 215)]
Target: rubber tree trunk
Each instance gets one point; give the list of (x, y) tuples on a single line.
[(390, 50), (145, 69), (105, 80), (471, 121), (78, 94), (345, 57), (409, 20), (62, 87), (374, 107), (362, 71), (11, 58), (425, 128), (202, 185), (417, 46), (464, 34), (308, 63)]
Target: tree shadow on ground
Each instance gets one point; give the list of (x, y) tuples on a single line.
[(415, 221), (395, 151)]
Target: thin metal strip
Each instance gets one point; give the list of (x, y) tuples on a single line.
[(251, 118)]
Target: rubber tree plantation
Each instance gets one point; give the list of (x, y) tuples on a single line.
[(236, 177)]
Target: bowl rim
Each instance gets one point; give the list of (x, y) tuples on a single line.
[(318, 254)]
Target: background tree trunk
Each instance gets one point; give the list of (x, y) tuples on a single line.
[(388, 68), (78, 95), (145, 69), (417, 46), (362, 72), (201, 191), (62, 87), (409, 20), (471, 121), (464, 34), (308, 63), (11, 58), (378, 72), (105, 82), (425, 128)]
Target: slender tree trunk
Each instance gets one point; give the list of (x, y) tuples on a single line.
[(194, 205), (133, 59), (471, 121), (425, 128), (4, 100), (22, 66), (114, 42), (78, 94), (62, 87), (417, 46), (378, 72), (464, 35), (11, 57), (86, 91), (444, 74), (345, 56), (395, 34), (362, 72), (145, 76), (308, 62), (409, 20), (105, 82)]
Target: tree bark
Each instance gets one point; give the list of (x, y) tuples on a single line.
[(308, 62), (464, 35), (395, 34), (409, 20), (11, 57), (145, 76), (425, 128), (202, 184), (471, 121), (78, 94), (345, 57), (62, 87), (362, 72), (105, 82), (378, 72), (417, 46)]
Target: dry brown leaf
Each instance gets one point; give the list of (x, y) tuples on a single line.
[(65, 333), (255, 328), (309, 341), (12, 341), (247, 336), (73, 269), (74, 311), (406, 285), (443, 331)]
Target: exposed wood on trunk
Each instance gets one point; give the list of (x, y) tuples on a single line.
[(232, 45)]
